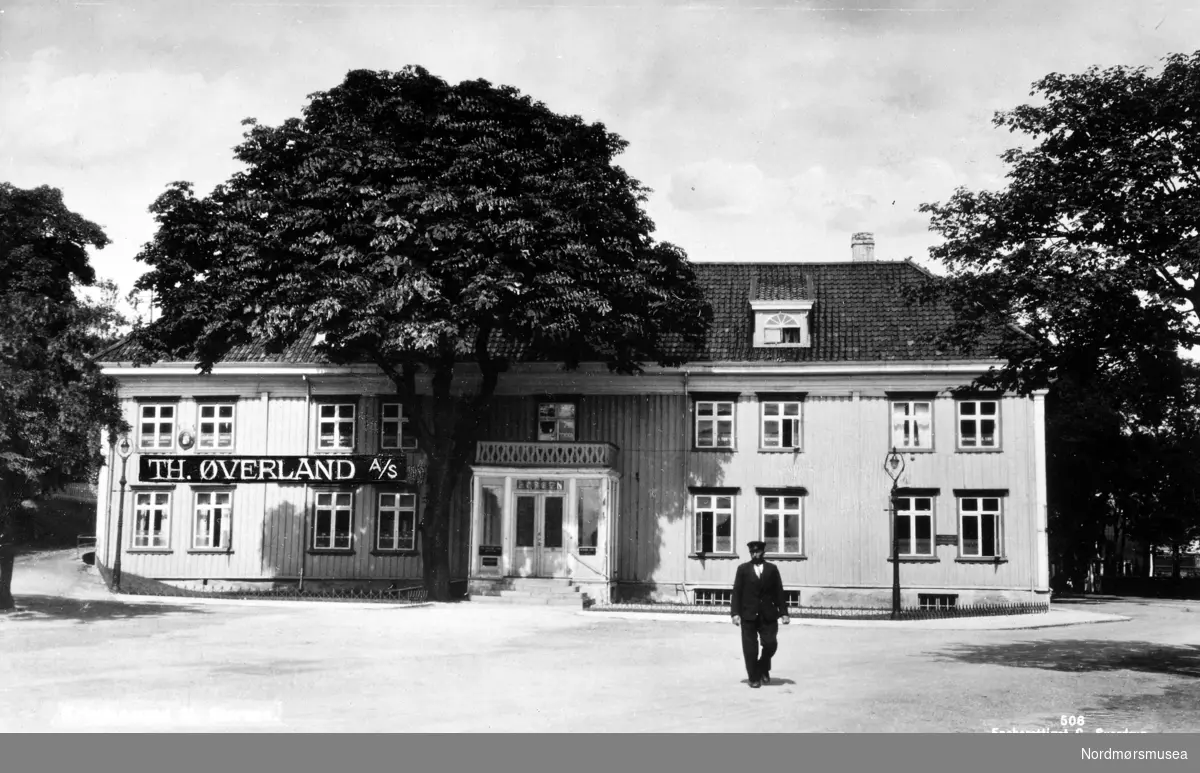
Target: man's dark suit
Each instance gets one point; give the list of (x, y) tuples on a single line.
[(759, 602)]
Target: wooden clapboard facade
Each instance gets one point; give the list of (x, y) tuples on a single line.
[(643, 486)]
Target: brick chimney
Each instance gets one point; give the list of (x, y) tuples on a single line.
[(862, 246)]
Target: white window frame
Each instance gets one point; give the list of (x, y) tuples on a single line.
[(976, 420), (560, 418), (783, 507), (716, 507), (210, 504), (403, 505), (906, 507), (147, 504), (158, 422), (781, 418), (783, 330), (214, 437), (973, 507), (907, 428), (336, 421), (399, 421), (715, 419), (334, 504)]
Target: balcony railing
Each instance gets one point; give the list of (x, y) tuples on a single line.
[(546, 454)]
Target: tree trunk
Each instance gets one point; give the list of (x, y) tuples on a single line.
[(8, 555)]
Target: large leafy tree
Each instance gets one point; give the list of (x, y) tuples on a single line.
[(1087, 262), (441, 232), (54, 401)]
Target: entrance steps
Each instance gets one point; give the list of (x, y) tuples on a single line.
[(529, 590)]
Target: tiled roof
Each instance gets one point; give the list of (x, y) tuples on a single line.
[(859, 313)]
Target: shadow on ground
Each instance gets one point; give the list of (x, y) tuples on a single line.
[(1082, 655), (34, 607)]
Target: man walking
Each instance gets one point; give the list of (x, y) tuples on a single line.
[(758, 606)]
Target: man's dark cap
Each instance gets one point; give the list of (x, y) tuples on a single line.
[(755, 544)]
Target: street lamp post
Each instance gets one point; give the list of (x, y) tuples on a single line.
[(893, 465), (124, 449)]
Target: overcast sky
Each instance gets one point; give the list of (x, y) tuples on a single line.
[(768, 130)]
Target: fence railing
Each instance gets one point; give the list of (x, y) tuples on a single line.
[(546, 454), (847, 613)]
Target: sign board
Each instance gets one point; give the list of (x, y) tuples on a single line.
[(539, 485), (272, 469)]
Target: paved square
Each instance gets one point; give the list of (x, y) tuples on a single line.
[(78, 660)]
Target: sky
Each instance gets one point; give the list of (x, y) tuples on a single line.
[(768, 131)]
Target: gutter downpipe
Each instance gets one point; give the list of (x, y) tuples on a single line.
[(684, 469), (307, 445)]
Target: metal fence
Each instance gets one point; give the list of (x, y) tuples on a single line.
[(846, 613)]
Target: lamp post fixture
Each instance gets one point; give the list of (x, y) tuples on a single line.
[(124, 449), (893, 465)]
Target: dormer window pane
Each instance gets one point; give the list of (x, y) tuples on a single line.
[(773, 335)]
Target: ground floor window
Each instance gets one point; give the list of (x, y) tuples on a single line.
[(914, 525), (214, 510), (151, 519), (979, 527), (714, 524), (781, 524), (333, 521), (397, 522)]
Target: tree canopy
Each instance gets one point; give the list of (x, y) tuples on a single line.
[(427, 228), (54, 401), (1087, 260)]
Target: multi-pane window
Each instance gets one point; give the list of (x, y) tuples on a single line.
[(912, 424), (714, 424), (782, 329), (397, 522), (979, 527), (914, 525), (781, 524), (151, 519), (333, 520), (781, 424), (216, 426), (978, 423), (156, 426), (394, 427), (212, 520), (714, 524), (335, 426), (556, 421)]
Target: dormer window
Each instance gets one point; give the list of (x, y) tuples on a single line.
[(782, 329), (781, 323)]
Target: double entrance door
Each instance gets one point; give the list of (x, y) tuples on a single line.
[(539, 548)]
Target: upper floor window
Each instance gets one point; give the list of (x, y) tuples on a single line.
[(556, 421), (216, 426), (912, 424), (394, 427), (156, 426), (978, 424), (714, 423), (781, 424), (335, 426)]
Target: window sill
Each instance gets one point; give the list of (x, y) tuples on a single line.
[(151, 551), (395, 552), (900, 450), (209, 552), (715, 556), (785, 557), (980, 560), (333, 452), (331, 551), (978, 450), (762, 450), (715, 449), (917, 559)]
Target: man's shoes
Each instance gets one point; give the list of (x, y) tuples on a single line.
[(755, 683), (766, 677)]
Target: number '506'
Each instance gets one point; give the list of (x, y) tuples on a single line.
[(1068, 721)]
